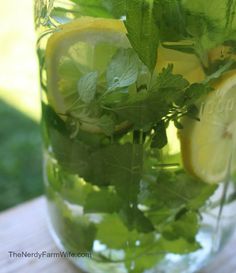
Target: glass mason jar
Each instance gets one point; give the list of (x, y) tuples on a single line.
[(139, 124)]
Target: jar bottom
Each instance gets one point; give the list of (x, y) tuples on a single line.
[(171, 263)]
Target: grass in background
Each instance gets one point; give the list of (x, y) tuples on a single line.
[(20, 164), (20, 147)]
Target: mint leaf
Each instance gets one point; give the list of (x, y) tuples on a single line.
[(170, 18), (76, 235), (123, 165), (72, 155), (193, 112), (179, 246), (123, 69), (167, 80), (76, 157), (144, 256), (93, 8), (172, 192), (196, 91), (186, 226), (142, 31), (116, 7), (107, 124), (100, 8), (148, 107), (185, 189), (103, 201), (112, 98), (87, 86), (159, 139), (121, 169), (170, 87), (113, 233), (135, 219), (143, 263), (142, 109)]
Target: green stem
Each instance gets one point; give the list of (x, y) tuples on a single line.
[(218, 231), (137, 137)]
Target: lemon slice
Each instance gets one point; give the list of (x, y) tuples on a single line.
[(88, 44), (187, 65), (208, 146), (77, 48)]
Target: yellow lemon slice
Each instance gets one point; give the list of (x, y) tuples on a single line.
[(187, 65), (76, 49), (82, 45), (208, 146)]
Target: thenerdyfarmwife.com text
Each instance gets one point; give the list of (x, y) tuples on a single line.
[(46, 254)]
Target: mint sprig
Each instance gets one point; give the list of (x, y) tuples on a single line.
[(143, 33)]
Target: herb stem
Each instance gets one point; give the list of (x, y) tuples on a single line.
[(137, 137)]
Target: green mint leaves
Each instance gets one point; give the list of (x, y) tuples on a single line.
[(97, 202), (107, 124), (109, 147), (197, 23), (170, 19), (168, 80), (142, 30), (159, 139), (87, 86), (123, 69)]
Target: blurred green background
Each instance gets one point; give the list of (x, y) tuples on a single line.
[(20, 152)]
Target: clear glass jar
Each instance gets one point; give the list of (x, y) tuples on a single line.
[(138, 118)]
